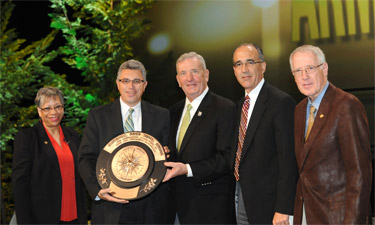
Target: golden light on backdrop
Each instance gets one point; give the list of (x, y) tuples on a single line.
[(271, 28), (207, 24), (263, 3), (159, 43)]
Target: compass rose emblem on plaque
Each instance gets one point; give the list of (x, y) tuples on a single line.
[(132, 165)]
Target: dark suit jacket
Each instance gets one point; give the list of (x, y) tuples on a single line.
[(207, 197), (335, 162), (103, 124), (36, 177), (268, 170)]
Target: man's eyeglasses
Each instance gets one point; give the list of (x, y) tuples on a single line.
[(135, 81), (238, 65), (49, 109), (308, 70)]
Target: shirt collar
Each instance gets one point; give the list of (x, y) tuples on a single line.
[(318, 99), (125, 108), (253, 95), (197, 101)]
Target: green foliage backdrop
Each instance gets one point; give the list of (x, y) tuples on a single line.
[(97, 34)]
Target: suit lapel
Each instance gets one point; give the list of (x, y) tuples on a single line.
[(256, 116), (238, 118), (46, 146), (201, 113), (299, 131), (116, 118), (319, 121), (147, 118), (175, 120)]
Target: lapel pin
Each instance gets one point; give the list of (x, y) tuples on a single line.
[(199, 113), (321, 116), (45, 142)]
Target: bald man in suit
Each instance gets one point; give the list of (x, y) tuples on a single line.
[(264, 162)]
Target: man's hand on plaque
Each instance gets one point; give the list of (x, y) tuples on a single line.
[(167, 151), (105, 194), (174, 169)]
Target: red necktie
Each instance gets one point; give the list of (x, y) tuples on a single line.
[(241, 136)]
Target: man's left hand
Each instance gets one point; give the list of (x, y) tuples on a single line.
[(280, 219), (175, 169)]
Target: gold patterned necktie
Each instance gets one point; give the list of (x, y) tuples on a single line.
[(241, 136), (311, 121), (129, 125), (184, 126)]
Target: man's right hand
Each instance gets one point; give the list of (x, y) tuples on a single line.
[(106, 194)]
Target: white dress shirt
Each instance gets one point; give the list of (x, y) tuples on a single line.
[(194, 106), (136, 116), (253, 95)]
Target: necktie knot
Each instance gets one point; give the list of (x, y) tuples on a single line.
[(188, 108), (131, 110), (246, 103), (312, 109)]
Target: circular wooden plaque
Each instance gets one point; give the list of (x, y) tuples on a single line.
[(131, 165)]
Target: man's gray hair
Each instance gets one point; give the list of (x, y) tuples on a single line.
[(48, 92), (309, 48), (192, 55), (132, 64)]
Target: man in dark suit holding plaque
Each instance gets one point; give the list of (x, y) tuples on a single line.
[(200, 142), (128, 113)]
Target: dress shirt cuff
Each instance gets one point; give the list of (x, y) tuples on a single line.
[(97, 198), (190, 172)]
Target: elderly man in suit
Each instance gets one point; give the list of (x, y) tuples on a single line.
[(200, 141), (108, 121), (264, 162), (332, 146)]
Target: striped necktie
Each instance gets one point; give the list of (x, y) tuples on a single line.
[(184, 126), (129, 125), (241, 136)]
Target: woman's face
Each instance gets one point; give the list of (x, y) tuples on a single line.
[(51, 111)]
